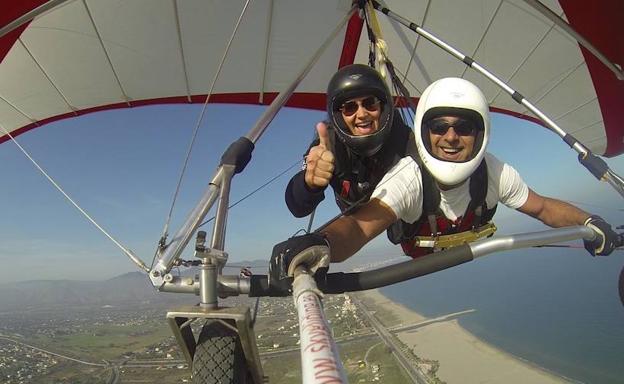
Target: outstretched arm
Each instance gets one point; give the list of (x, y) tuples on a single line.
[(557, 213), (553, 212), (350, 233)]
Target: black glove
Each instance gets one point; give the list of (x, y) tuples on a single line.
[(311, 249), (606, 239)]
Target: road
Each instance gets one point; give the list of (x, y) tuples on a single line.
[(53, 353), (114, 377), (412, 372)]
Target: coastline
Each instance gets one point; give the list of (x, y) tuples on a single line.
[(462, 357)]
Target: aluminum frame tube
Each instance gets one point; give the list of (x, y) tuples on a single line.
[(181, 284), (233, 285), (531, 239), (228, 285), (396, 273), (340, 282), (218, 230), (28, 17), (208, 286), (183, 236), (615, 181)]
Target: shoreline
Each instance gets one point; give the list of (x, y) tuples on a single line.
[(462, 357)]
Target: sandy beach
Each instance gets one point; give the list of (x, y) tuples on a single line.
[(463, 358)]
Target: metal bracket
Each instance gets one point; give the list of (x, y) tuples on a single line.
[(180, 322), (209, 255)]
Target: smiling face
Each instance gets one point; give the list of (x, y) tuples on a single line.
[(365, 120), (452, 138)]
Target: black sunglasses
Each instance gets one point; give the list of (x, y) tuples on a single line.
[(370, 103), (462, 127)]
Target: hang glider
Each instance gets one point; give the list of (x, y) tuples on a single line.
[(63, 58)]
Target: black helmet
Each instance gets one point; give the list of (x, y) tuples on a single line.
[(354, 81)]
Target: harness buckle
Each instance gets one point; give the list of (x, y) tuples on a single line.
[(455, 239)]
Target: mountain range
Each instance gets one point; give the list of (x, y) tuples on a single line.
[(127, 289)]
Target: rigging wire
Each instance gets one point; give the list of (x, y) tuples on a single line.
[(255, 190), (129, 253), (404, 103), (378, 55), (197, 126)]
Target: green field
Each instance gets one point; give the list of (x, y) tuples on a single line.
[(135, 337), (107, 342)]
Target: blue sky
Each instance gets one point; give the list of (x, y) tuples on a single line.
[(122, 167)]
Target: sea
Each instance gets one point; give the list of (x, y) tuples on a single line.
[(557, 308)]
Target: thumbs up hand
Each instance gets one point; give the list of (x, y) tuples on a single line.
[(320, 161)]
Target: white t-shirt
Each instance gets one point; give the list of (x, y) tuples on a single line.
[(401, 191)]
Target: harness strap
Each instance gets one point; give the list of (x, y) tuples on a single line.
[(364, 173), (478, 192), (433, 223), (431, 198), (477, 214)]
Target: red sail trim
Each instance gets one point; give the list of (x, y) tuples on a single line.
[(315, 101), (9, 40), (351, 40), (11, 11), (297, 100), (600, 24)]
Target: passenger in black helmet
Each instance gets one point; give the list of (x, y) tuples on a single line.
[(360, 107), (362, 139)]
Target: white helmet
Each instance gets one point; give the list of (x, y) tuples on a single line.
[(452, 96)]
